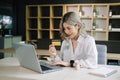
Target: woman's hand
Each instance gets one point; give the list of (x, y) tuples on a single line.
[(61, 63), (52, 50), (76, 65), (67, 64)]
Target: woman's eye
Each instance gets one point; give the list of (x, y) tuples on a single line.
[(68, 28)]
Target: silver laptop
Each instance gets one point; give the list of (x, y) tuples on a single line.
[(27, 57)]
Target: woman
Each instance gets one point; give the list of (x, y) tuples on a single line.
[(78, 49)]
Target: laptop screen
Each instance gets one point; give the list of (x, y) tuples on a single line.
[(27, 56)]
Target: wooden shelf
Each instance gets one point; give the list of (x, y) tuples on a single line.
[(113, 56), (42, 21)]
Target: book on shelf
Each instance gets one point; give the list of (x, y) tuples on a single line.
[(103, 72), (99, 29), (115, 29), (115, 16)]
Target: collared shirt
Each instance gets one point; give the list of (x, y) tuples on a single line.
[(85, 53)]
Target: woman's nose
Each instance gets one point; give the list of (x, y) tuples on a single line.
[(67, 32)]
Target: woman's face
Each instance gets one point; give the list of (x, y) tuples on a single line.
[(70, 30)]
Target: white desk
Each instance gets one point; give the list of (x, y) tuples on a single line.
[(10, 69)]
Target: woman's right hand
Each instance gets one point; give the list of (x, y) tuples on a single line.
[(52, 50)]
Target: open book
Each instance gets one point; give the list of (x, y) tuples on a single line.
[(103, 72)]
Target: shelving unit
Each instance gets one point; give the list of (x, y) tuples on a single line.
[(100, 21), (114, 21), (56, 14), (42, 21), (85, 13), (31, 22)]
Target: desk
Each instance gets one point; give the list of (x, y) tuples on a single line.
[(10, 69), (12, 51)]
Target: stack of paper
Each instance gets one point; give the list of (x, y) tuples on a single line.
[(103, 72)]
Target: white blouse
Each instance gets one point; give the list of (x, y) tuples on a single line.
[(85, 53)]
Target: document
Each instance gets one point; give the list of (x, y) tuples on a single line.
[(103, 71)]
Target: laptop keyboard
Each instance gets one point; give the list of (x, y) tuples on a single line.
[(44, 68)]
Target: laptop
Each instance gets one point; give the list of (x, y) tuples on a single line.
[(27, 57)]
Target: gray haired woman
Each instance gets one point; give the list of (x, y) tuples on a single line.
[(78, 49)]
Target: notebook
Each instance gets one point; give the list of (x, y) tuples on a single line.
[(27, 57), (103, 72)]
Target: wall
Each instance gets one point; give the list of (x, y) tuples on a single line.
[(63, 1)]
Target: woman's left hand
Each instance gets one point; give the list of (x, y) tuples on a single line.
[(76, 65), (67, 64)]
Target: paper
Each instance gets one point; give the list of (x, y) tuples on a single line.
[(103, 72)]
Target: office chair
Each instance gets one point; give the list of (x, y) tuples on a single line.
[(102, 53)]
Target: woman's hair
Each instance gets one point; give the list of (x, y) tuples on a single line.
[(72, 18)]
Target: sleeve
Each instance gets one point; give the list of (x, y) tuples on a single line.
[(56, 58), (91, 54), (59, 57)]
